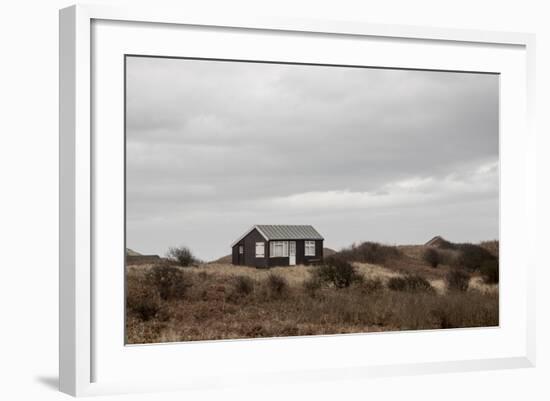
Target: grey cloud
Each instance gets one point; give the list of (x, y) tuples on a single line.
[(213, 144)]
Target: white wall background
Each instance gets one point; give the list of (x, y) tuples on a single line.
[(29, 185)]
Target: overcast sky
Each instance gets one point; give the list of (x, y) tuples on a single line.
[(361, 154)]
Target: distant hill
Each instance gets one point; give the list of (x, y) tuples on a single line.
[(135, 258), (131, 252), (223, 260)]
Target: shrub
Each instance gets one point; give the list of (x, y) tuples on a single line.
[(410, 283), (312, 285), (490, 271), (170, 281), (369, 252), (203, 275), (448, 256), (243, 285), (472, 257), (457, 280), (277, 285), (491, 246), (372, 285), (141, 299), (181, 255), (431, 256), (337, 272), (146, 307)]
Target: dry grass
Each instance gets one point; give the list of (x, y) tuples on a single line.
[(214, 308), (376, 271), (477, 283), (295, 275)]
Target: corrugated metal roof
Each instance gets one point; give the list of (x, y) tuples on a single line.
[(275, 232)]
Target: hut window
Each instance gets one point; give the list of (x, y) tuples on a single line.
[(278, 249), (310, 248), (260, 250), (241, 249)]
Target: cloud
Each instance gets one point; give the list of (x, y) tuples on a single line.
[(410, 191), (212, 144)]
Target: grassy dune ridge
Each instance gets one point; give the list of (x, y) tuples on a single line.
[(220, 301)]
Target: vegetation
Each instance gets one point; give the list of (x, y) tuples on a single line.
[(142, 299), (312, 285), (277, 285), (491, 246), (481, 258), (490, 271), (457, 280), (369, 252), (472, 257), (410, 283), (181, 256), (431, 256), (372, 285), (211, 309), (401, 291), (243, 285), (337, 272), (170, 282)]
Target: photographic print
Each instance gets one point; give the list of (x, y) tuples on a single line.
[(270, 199)]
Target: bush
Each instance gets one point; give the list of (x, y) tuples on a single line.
[(141, 299), (182, 256), (472, 257), (312, 285), (448, 257), (170, 281), (431, 256), (243, 285), (277, 285), (491, 246), (369, 252), (457, 280), (372, 285), (337, 272), (410, 283), (490, 271), (146, 307)]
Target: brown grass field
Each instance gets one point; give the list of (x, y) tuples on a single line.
[(221, 301)]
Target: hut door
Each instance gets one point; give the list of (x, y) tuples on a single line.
[(241, 254), (292, 253)]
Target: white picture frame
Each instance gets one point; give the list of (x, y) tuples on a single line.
[(82, 344)]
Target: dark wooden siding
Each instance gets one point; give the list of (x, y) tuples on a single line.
[(250, 249), (235, 253), (302, 259), (273, 262), (278, 261), (319, 249), (249, 243), (250, 258)]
